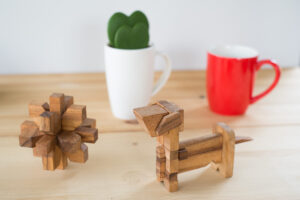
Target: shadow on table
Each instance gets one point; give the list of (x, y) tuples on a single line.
[(207, 179), (189, 184)]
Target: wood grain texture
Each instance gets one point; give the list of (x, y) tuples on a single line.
[(225, 167), (273, 122), (68, 101), (169, 122), (52, 160), (80, 156), (149, 117), (69, 141), (171, 161), (89, 123), (63, 163), (186, 88), (29, 134), (171, 139), (204, 144), (73, 117), (128, 172), (171, 182), (57, 106), (218, 148), (57, 103), (89, 135), (199, 160), (47, 122), (36, 108), (160, 163), (171, 108), (45, 145), (160, 140)]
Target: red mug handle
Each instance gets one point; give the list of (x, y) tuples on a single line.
[(277, 75)]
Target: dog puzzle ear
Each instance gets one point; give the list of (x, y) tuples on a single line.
[(149, 117), (168, 123), (171, 108)]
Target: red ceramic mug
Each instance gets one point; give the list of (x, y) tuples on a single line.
[(230, 78)]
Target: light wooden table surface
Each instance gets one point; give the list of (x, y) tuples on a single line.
[(121, 164)]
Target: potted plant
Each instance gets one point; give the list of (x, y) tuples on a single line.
[(129, 64)]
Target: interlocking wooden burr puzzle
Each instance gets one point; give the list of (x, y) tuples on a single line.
[(164, 120), (58, 131)]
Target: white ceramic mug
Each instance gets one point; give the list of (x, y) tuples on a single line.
[(129, 78)]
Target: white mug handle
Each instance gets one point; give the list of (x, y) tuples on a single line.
[(166, 73)]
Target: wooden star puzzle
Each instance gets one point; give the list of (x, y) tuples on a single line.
[(58, 131), (164, 120)]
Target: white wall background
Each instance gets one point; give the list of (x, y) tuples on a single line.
[(54, 36)]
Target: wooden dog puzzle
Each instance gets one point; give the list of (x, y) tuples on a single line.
[(165, 120), (58, 131)]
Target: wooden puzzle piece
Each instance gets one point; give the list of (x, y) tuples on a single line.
[(52, 160), (89, 123), (36, 108), (171, 182), (149, 117), (202, 144), (80, 156), (173, 157), (171, 107), (68, 101), (200, 160), (182, 154), (69, 142), (89, 135), (168, 122), (73, 117), (52, 133), (171, 139), (160, 163), (47, 122), (45, 144), (29, 134), (57, 106), (35, 153), (63, 163), (160, 140), (226, 165), (171, 161), (57, 103), (57, 123)]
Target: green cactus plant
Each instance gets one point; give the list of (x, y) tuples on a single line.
[(128, 32)]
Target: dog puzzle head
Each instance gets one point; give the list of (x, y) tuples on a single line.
[(160, 117)]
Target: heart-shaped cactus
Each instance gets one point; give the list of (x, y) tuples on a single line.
[(138, 17), (132, 38), (128, 32)]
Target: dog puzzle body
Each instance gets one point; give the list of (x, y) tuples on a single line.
[(165, 120)]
